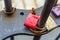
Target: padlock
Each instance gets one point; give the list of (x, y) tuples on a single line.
[(56, 11), (31, 21)]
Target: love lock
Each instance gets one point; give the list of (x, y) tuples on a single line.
[(31, 22), (56, 11)]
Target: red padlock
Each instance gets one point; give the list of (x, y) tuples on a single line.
[(31, 21)]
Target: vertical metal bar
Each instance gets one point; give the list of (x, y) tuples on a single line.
[(45, 12), (55, 2), (37, 37), (58, 37), (8, 5), (12, 38)]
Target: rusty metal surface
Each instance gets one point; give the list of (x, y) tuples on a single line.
[(14, 24)]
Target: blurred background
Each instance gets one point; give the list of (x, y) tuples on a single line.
[(25, 4)]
